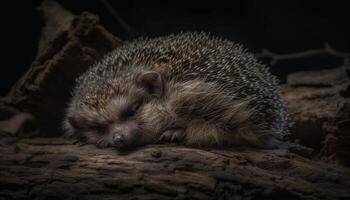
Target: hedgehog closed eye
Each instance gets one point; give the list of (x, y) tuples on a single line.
[(98, 127), (131, 110)]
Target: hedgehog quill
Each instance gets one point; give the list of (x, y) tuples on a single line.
[(189, 88)]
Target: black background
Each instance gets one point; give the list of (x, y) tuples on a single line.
[(282, 26)]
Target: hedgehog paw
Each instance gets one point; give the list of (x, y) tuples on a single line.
[(173, 135)]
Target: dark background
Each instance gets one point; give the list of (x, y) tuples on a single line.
[(282, 26)]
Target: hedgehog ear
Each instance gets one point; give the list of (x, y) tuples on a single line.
[(151, 81)]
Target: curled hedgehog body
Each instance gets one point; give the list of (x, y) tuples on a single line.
[(189, 88)]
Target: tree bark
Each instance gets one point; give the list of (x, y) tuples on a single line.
[(60, 169), (318, 104)]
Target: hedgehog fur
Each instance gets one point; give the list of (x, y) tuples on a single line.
[(206, 90)]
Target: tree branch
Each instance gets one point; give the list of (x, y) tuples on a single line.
[(275, 57)]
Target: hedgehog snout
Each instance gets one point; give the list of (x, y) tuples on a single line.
[(126, 135), (118, 138)]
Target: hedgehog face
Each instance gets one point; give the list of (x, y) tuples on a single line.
[(114, 117)]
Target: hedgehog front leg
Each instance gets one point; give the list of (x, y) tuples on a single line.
[(173, 135), (201, 133), (205, 133), (212, 118)]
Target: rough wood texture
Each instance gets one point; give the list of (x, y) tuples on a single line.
[(60, 169), (68, 46), (319, 105)]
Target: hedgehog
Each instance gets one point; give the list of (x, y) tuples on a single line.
[(193, 89)]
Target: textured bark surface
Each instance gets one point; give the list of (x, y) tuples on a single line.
[(319, 105), (68, 45), (56, 168), (60, 169)]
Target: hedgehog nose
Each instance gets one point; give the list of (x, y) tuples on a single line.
[(118, 137)]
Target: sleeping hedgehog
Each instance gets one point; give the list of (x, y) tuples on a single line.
[(189, 88)]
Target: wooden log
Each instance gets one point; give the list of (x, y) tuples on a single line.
[(69, 44), (61, 169), (319, 106)]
